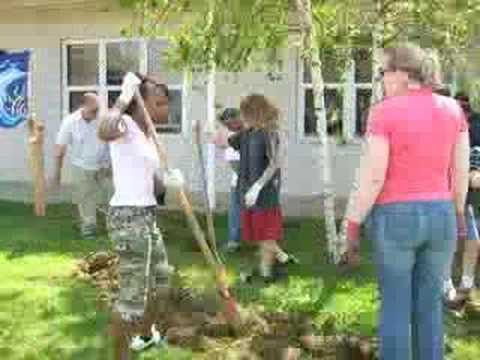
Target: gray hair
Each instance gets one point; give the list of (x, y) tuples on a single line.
[(420, 65)]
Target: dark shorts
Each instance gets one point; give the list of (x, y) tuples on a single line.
[(261, 225)]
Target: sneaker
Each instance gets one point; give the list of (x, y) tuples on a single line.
[(231, 247), (455, 301), (255, 275), (449, 291), (89, 235), (466, 285), (292, 260), (451, 294), (140, 343)]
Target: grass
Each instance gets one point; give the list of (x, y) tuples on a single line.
[(45, 314)]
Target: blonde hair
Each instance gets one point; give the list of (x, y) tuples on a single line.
[(260, 112), (420, 65)]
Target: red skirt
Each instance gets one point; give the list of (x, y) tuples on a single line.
[(261, 225)]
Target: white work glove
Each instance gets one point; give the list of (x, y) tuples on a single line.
[(252, 195), (129, 86), (174, 179)]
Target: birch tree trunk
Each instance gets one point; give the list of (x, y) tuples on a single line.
[(312, 61), (378, 35), (211, 93), (377, 95)]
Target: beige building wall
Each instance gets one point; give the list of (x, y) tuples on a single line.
[(44, 31)]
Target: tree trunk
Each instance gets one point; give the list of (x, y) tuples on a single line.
[(312, 60), (211, 93), (378, 35), (211, 90), (377, 95)]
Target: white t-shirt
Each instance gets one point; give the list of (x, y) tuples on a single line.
[(86, 150), (134, 162), (229, 156)]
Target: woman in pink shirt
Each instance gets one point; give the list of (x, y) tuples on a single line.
[(413, 185)]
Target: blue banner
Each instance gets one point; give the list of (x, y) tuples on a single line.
[(13, 88)]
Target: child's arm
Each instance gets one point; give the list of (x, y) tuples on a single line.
[(276, 155)]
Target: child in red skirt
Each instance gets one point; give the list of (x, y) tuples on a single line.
[(261, 155)]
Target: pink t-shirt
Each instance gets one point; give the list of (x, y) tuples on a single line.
[(422, 129)]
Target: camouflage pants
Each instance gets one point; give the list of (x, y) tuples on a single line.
[(133, 230)]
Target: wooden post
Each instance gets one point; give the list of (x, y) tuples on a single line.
[(36, 131), (36, 135)]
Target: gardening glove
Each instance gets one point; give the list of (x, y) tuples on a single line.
[(174, 179), (461, 228), (252, 195), (129, 86), (353, 243)]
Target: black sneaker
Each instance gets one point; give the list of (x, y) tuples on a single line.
[(281, 268), (255, 275), (292, 260)]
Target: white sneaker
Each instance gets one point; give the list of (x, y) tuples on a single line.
[(449, 291), (467, 282), (231, 247), (140, 343)]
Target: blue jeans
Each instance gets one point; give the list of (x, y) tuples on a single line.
[(414, 242), (234, 224)]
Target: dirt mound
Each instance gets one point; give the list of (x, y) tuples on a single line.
[(194, 320), (100, 268)]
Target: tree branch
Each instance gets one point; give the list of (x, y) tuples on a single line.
[(392, 38)]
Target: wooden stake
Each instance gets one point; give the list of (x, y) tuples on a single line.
[(37, 166)]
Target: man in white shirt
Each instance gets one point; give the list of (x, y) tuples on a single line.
[(90, 161)]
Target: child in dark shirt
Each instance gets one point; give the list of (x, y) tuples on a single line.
[(259, 180)]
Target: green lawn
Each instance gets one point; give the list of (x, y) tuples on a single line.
[(46, 314)]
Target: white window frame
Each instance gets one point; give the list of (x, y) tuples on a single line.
[(349, 97), (349, 114), (102, 88), (302, 87)]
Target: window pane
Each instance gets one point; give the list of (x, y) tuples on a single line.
[(307, 73), (363, 65), (334, 107), (122, 57), (112, 97), (75, 99), (157, 63), (310, 120), (82, 65), (363, 106)]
